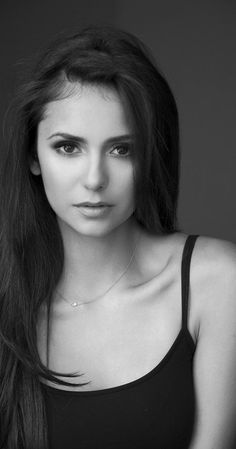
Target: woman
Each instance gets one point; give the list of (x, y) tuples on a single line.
[(108, 339)]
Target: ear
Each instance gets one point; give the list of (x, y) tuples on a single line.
[(34, 164)]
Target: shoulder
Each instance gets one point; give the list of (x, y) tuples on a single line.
[(216, 253), (214, 264), (212, 276), (213, 285), (212, 273)]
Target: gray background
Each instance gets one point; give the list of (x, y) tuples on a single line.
[(194, 43)]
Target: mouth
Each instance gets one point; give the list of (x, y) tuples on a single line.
[(94, 210), (88, 204)]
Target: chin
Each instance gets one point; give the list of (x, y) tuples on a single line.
[(93, 228), (97, 229)]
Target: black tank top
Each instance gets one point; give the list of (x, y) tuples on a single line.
[(155, 411)]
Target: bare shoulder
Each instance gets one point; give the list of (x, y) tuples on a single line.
[(214, 259), (216, 252), (212, 271), (213, 283)]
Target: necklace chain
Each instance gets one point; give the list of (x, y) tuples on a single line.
[(79, 303)]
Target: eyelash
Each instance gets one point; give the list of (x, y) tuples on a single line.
[(58, 146)]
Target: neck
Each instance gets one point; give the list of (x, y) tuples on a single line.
[(91, 263)]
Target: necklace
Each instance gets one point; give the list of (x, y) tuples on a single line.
[(79, 303)]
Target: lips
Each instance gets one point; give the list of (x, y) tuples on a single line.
[(88, 204), (94, 211)]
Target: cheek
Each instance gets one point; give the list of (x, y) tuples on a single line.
[(123, 188), (56, 183), (55, 173), (126, 182)]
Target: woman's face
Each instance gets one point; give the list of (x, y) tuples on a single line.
[(84, 147)]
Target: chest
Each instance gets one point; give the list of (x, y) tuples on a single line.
[(116, 341)]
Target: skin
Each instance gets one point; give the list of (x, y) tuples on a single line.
[(139, 319)]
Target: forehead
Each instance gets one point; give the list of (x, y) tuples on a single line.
[(87, 108)]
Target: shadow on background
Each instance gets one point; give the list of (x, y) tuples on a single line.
[(195, 45)]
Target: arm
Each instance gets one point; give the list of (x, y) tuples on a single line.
[(215, 356)]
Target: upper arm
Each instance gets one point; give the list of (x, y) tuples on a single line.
[(215, 356)]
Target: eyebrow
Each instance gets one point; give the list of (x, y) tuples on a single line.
[(79, 139)]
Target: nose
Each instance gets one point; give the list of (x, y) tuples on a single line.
[(96, 176)]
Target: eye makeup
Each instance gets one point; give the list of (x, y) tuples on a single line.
[(124, 149)]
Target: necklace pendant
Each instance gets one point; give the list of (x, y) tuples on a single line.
[(75, 304)]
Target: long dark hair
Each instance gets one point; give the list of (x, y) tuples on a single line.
[(31, 248)]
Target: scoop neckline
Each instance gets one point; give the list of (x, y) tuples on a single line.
[(182, 333)]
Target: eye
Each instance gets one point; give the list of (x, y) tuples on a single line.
[(123, 150), (66, 148)]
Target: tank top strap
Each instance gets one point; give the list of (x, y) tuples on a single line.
[(185, 275)]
